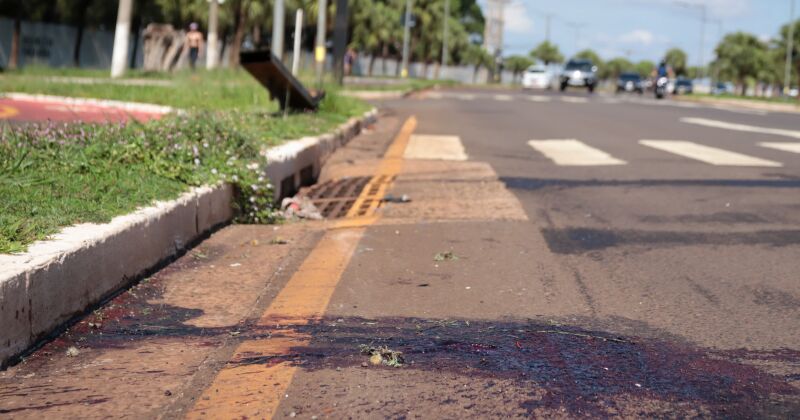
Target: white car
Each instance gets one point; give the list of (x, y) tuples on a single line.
[(537, 77)]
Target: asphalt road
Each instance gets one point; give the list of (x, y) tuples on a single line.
[(562, 256)]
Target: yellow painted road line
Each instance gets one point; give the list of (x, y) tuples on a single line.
[(390, 166), (255, 380)]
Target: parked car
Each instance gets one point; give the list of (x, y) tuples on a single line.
[(537, 77), (579, 73), (682, 87), (630, 82), (722, 88)]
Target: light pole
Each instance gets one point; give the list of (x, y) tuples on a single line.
[(444, 32), (122, 35), (319, 51), (278, 16), (406, 36), (787, 76)]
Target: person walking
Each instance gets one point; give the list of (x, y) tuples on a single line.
[(194, 41)]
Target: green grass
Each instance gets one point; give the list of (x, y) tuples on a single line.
[(56, 175)]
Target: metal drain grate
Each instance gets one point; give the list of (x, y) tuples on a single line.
[(336, 198)]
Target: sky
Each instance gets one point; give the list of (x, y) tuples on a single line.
[(639, 29)]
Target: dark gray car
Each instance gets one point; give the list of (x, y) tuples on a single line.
[(579, 73)]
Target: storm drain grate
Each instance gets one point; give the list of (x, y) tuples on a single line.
[(336, 198)]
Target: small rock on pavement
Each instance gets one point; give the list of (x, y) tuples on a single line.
[(73, 351), (168, 393)]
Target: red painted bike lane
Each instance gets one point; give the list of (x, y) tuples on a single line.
[(72, 110)]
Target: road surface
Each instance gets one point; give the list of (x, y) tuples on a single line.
[(561, 256)]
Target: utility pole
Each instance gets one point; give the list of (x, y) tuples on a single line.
[(278, 16), (122, 35), (787, 77), (212, 46), (340, 40), (319, 50), (715, 74), (406, 38), (495, 25), (445, 32)]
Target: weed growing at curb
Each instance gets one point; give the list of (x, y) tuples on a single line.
[(56, 175)]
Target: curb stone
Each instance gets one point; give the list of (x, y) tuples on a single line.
[(56, 280)]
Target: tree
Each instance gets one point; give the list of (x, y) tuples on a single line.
[(589, 54), (645, 68), (547, 52), (478, 57), (517, 64), (740, 56), (676, 58), (613, 68)]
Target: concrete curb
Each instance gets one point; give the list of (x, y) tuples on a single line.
[(127, 106), (298, 163), (59, 279), (83, 264)]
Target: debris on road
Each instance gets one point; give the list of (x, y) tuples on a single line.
[(73, 351), (445, 256), (300, 208), (389, 198), (278, 241), (383, 355)]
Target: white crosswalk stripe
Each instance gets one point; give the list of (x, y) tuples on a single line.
[(574, 100), (710, 155), (741, 127), (785, 147), (503, 98), (539, 98), (571, 152), (432, 147)]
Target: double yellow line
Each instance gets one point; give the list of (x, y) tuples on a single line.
[(245, 389)]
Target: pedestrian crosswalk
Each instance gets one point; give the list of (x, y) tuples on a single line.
[(707, 154), (573, 152)]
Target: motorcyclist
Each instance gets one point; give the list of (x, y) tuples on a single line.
[(663, 70)]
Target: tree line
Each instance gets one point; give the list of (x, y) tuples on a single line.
[(741, 58), (376, 26)]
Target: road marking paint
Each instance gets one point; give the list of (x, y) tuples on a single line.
[(741, 110), (571, 152), (711, 155), (504, 98), (466, 97), (786, 147), (7, 111), (573, 100), (434, 95), (539, 98), (435, 148), (253, 383), (741, 127)]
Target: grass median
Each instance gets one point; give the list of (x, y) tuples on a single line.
[(56, 175)]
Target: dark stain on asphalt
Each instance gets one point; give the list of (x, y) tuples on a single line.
[(533, 184), (582, 372), (719, 217), (775, 298), (581, 240)]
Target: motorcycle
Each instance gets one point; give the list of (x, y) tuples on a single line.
[(661, 87)]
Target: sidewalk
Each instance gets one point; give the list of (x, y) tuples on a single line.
[(162, 343)]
